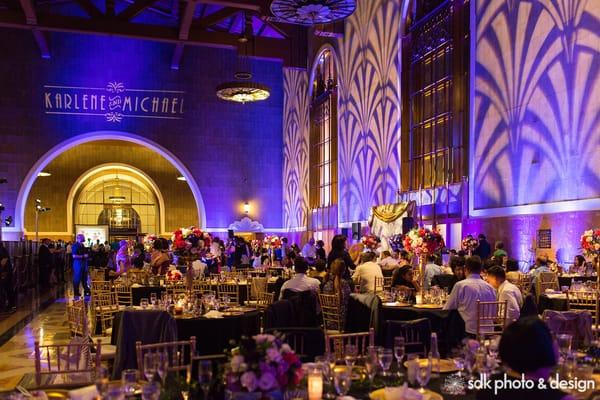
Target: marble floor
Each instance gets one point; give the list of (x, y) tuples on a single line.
[(17, 354)]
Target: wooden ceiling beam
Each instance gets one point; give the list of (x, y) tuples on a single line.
[(32, 21), (184, 32), (136, 8)]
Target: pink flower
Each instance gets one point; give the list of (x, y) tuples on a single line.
[(273, 354), (248, 380), (267, 381)]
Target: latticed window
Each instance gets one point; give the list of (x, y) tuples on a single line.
[(435, 95), (323, 134)]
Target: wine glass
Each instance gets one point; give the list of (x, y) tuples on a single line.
[(350, 354), (150, 391), (150, 366), (162, 364), (153, 299), (459, 362), (342, 377), (564, 344), (423, 373), (399, 351), (129, 381), (205, 373), (385, 357), (102, 380), (371, 364), (144, 303)]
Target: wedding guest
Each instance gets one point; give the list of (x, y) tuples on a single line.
[(499, 250), (309, 251), (123, 261), (300, 282), (366, 272), (338, 250), (541, 265), (512, 270), (404, 258), (321, 250), (404, 280), (334, 283), (7, 295), (320, 270), (387, 263), (159, 260), (528, 351), (80, 258), (138, 258), (256, 260), (465, 294), (483, 249), (457, 272), (506, 292), (578, 266), (431, 270)]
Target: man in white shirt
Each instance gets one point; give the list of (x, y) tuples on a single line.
[(506, 292), (366, 273), (465, 294), (387, 262), (300, 282), (431, 270), (309, 251)]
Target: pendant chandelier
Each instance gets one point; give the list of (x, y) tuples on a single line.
[(243, 89), (117, 197), (312, 12)]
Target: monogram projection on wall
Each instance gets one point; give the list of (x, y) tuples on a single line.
[(369, 109), (536, 137), (295, 148)]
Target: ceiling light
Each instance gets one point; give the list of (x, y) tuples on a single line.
[(181, 178), (312, 12), (44, 173), (243, 91)]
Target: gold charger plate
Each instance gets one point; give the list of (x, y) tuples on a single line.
[(431, 306), (396, 304), (379, 394), (358, 372), (232, 313), (446, 365), (57, 394)]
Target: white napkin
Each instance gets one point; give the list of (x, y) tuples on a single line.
[(213, 314), (402, 393), (84, 393)]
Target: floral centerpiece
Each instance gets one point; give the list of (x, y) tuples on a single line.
[(590, 242), (396, 242), (256, 245), (174, 275), (421, 241), (469, 244), (370, 242), (272, 241), (262, 365), (149, 240)]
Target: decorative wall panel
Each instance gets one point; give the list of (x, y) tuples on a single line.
[(537, 101)]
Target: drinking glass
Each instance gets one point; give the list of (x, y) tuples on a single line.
[(153, 299), (328, 362), (460, 364), (150, 391), (102, 380), (205, 373), (162, 364), (399, 351), (423, 373), (342, 377), (150, 366), (144, 303), (350, 354), (129, 381), (114, 392), (371, 364), (564, 344), (385, 357)]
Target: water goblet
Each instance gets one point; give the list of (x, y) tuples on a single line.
[(371, 364), (153, 299), (150, 391), (205, 373), (459, 362), (150, 366), (114, 392), (129, 381), (399, 351), (162, 364), (342, 377), (102, 380), (423, 373), (564, 344), (144, 303), (350, 354), (385, 358)]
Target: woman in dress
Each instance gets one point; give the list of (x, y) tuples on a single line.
[(123, 260), (404, 280), (336, 284), (338, 250), (159, 260)]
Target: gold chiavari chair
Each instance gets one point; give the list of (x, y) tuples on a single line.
[(97, 274), (524, 284), (378, 284), (138, 276), (264, 300), (176, 288), (105, 308), (123, 295), (586, 300), (77, 319), (202, 286), (230, 290), (71, 361), (491, 318), (546, 280), (257, 285), (180, 353), (331, 312), (387, 283), (336, 343)]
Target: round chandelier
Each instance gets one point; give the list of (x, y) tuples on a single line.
[(243, 91), (312, 12)]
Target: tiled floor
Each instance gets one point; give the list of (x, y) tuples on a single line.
[(16, 355)]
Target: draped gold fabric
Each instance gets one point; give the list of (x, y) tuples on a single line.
[(390, 212)]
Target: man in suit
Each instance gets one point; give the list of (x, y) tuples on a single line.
[(484, 249)]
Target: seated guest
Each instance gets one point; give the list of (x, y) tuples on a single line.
[(300, 282), (387, 263), (335, 283), (512, 270), (338, 250), (506, 292), (457, 272), (366, 273), (319, 272), (527, 351), (431, 270), (309, 251), (256, 261), (404, 258), (465, 294), (499, 250), (138, 257), (578, 266), (159, 260), (404, 280), (541, 265)]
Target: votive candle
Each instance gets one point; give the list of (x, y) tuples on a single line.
[(315, 385)]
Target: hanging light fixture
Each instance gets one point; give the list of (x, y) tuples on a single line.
[(243, 89), (312, 12), (117, 197)]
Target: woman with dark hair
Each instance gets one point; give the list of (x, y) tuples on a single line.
[(578, 265), (512, 270), (403, 279), (527, 350), (335, 283), (320, 245), (159, 260), (338, 250)]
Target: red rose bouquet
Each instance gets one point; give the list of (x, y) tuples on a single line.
[(420, 241)]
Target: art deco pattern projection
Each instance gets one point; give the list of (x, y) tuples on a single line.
[(369, 109), (537, 101), (295, 148)]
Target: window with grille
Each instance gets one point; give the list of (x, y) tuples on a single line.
[(435, 96)]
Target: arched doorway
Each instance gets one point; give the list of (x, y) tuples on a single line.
[(123, 137)]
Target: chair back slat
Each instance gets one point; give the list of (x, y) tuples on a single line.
[(491, 317), (72, 361), (180, 353), (336, 343), (585, 300), (331, 312), (230, 290), (378, 284)]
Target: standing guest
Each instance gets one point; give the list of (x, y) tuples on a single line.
[(512, 270), (138, 257), (528, 352), (483, 249), (80, 266), (68, 256), (285, 248), (256, 262), (7, 295), (309, 251), (404, 280), (159, 260), (387, 263), (499, 250), (300, 282), (366, 272), (506, 292), (264, 257), (334, 283), (431, 270), (465, 294), (123, 261), (338, 250), (320, 252)]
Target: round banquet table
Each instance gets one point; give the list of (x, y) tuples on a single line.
[(552, 303), (143, 292), (568, 280)]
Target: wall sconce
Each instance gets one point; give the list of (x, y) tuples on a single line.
[(246, 208)]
